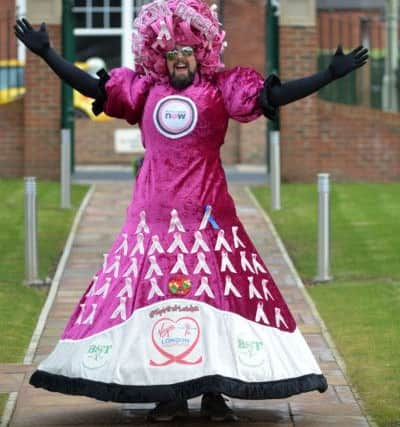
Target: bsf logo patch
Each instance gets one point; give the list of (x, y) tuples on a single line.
[(251, 352), (98, 353)]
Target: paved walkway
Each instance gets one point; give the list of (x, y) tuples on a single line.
[(101, 221)]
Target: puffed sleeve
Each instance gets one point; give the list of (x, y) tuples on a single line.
[(122, 94), (240, 89)]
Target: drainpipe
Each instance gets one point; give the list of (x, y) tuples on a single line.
[(68, 51), (272, 54), (21, 12), (389, 92), (221, 11)]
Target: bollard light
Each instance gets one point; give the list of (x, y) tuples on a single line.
[(65, 168), (323, 254), (31, 258), (275, 176)]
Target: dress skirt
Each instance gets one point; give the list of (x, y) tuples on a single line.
[(178, 309)]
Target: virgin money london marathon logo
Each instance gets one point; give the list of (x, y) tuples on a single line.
[(97, 354), (175, 341), (175, 116)]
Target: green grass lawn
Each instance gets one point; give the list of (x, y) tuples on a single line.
[(3, 401), (19, 305), (361, 307)]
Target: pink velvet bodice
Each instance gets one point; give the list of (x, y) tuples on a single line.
[(184, 173)]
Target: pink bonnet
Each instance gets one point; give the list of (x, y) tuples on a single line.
[(163, 24)]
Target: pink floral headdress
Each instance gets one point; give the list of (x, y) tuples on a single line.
[(163, 24)]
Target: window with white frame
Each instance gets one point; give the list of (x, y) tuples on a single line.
[(103, 30), (98, 13)]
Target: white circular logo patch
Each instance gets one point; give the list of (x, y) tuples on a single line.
[(251, 352), (98, 353), (175, 116)]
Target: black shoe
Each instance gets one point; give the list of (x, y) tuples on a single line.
[(167, 411), (214, 406)]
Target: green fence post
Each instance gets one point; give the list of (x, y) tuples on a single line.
[(272, 54), (68, 51)]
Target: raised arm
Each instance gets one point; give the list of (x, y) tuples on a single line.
[(341, 64), (39, 43)]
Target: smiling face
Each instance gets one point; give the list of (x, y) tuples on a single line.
[(182, 67)]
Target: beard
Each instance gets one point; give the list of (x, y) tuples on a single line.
[(182, 82)]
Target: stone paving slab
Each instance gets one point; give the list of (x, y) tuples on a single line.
[(103, 219), (14, 368), (10, 382), (12, 376)]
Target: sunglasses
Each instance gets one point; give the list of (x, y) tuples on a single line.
[(185, 51)]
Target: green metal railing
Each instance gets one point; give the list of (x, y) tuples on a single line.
[(272, 64), (364, 87), (345, 90), (68, 50)]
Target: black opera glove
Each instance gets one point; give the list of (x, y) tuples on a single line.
[(38, 42), (35, 40), (274, 93), (342, 64)]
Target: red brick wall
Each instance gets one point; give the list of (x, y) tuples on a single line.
[(245, 143), (357, 143), (253, 142), (30, 126), (344, 27), (12, 139), (230, 150), (8, 44), (244, 23), (11, 115), (94, 142), (299, 120), (352, 143), (42, 115)]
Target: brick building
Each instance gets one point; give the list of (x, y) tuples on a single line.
[(364, 146), (350, 142)]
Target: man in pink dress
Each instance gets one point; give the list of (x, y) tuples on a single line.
[(183, 305)]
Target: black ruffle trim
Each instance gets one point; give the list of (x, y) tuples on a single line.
[(269, 110), (98, 103), (184, 390)]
